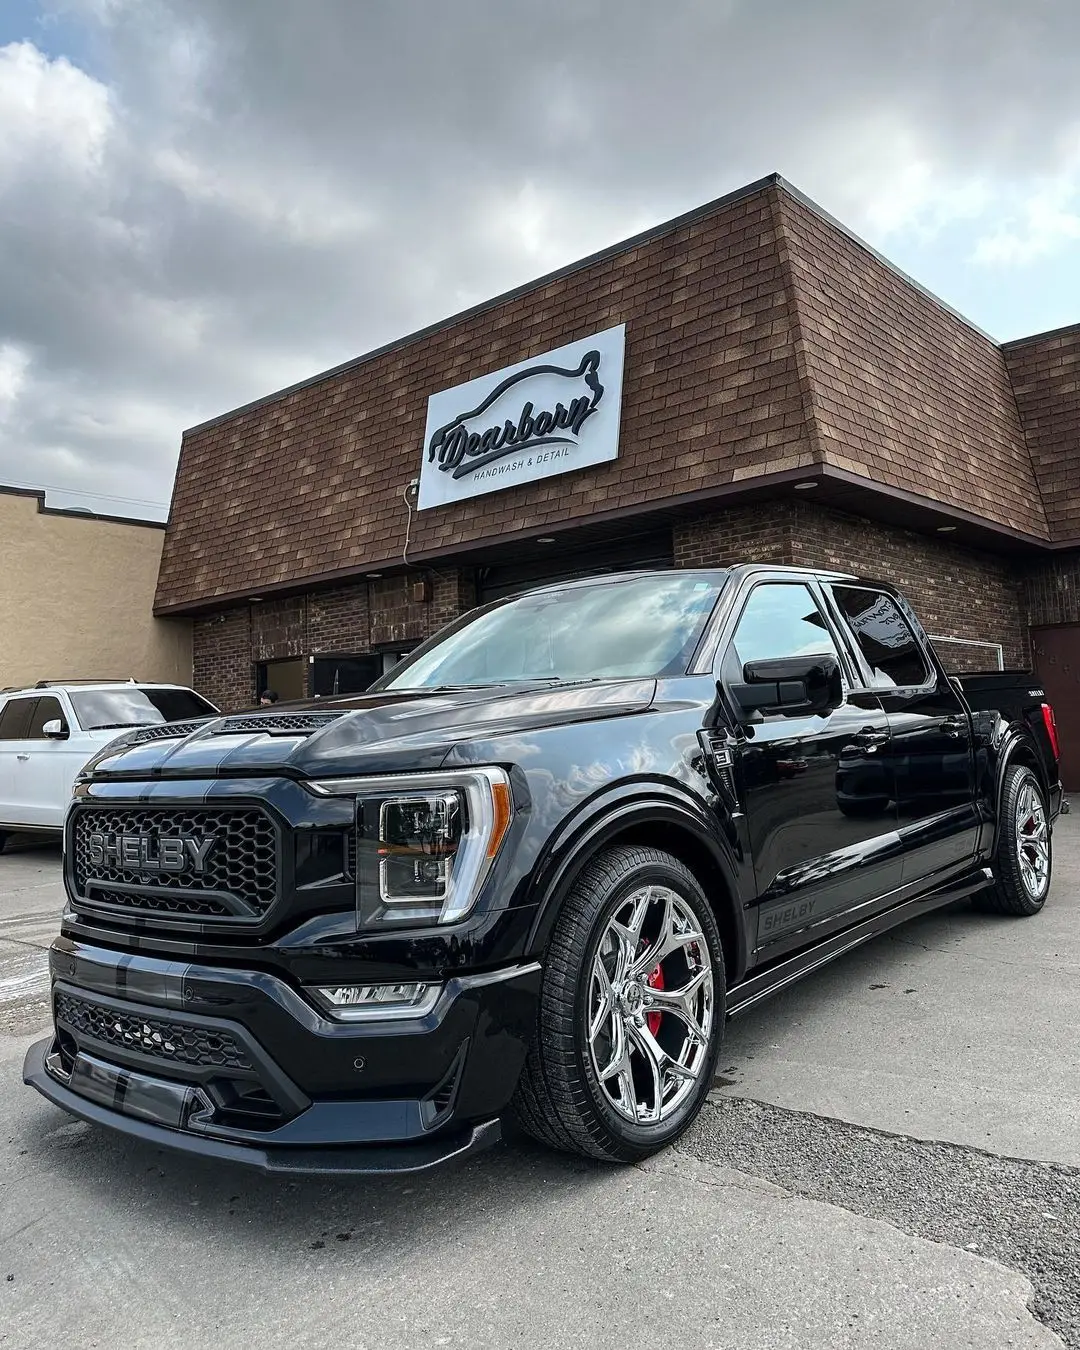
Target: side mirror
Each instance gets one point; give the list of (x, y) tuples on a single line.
[(55, 730), (796, 685)]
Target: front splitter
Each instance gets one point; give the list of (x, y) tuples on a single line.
[(332, 1160)]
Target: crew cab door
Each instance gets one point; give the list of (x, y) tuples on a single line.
[(931, 746), (49, 770), (14, 753), (38, 771), (819, 803)]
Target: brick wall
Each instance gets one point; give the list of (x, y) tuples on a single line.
[(955, 591), (1052, 591), (1045, 373), (278, 629), (741, 534), (347, 620), (222, 658), (339, 620)]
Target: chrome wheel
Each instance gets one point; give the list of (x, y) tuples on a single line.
[(1032, 841), (651, 1006)]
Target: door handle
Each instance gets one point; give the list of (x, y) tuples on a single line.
[(869, 739), (22, 757), (954, 727)]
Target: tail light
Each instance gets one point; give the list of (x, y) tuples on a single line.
[(1051, 729)]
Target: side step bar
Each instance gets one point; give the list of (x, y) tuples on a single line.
[(763, 984)]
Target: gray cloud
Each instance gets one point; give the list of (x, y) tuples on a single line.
[(233, 196)]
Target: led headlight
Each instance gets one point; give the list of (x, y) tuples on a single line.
[(424, 842), (419, 838)]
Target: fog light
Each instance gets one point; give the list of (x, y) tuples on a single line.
[(377, 1002)]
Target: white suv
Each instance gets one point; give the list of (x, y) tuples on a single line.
[(49, 732)]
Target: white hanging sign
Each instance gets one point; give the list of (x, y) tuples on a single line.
[(547, 416)]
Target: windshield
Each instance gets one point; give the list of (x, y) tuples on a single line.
[(639, 627), (131, 706)]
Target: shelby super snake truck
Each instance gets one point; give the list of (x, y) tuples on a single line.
[(528, 875)]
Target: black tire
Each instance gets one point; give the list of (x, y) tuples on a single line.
[(1021, 885), (559, 1099), (3, 840)]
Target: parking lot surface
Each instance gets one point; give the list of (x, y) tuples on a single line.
[(890, 1158)]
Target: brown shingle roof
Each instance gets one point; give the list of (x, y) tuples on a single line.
[(760, 338), (1045, 374)]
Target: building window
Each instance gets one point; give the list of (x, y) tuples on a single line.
[(355, 674)]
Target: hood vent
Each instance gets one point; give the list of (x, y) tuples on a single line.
[(276, 724), (166, 731)]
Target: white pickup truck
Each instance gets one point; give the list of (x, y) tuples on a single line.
[(49, 732)]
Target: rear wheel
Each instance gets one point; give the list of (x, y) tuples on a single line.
[(631, 1011), (1025, 857), (3, 840)]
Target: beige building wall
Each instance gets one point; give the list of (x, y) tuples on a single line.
[(77, 595)]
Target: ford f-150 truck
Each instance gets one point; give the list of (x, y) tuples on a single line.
[(528, 875)]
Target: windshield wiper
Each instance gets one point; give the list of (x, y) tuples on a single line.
[(114, 726)]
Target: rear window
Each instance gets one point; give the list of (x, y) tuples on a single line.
[(98, 709), (890, 647)]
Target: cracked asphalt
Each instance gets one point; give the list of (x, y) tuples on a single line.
[(1026, 1215), (891, 1158)]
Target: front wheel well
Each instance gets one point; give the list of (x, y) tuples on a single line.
[(695, 855)]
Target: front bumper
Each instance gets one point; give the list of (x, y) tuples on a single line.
[(238, 1065), (160, 1099)]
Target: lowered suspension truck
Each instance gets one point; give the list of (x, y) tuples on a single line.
[(530, 874)]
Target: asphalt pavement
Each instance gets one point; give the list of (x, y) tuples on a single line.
[(891, 1158)]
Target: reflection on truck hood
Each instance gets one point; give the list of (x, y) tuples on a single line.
[(393, 731)]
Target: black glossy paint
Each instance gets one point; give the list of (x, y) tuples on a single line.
[(807, 829)]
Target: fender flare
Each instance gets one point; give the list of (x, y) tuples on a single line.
[(1017, 744), (606, 819)]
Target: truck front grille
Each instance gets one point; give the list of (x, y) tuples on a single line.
[(178, 903), (117, 857)]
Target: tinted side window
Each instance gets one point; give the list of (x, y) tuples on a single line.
[(781, 620), (15, 719), (884, 637), (47, 710)]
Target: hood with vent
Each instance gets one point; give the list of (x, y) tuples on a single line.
[(395, 731)]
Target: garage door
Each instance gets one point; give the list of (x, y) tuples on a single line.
[(552, 564), (1057, 660)]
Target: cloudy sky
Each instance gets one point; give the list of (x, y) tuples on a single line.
[(204, 200)]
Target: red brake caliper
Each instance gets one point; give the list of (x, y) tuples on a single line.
[(655, 981)]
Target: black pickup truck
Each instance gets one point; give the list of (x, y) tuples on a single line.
[(530, 874)]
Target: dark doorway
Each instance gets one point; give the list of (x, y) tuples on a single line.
[(285, 678), (332, 675), (1057, 661)]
